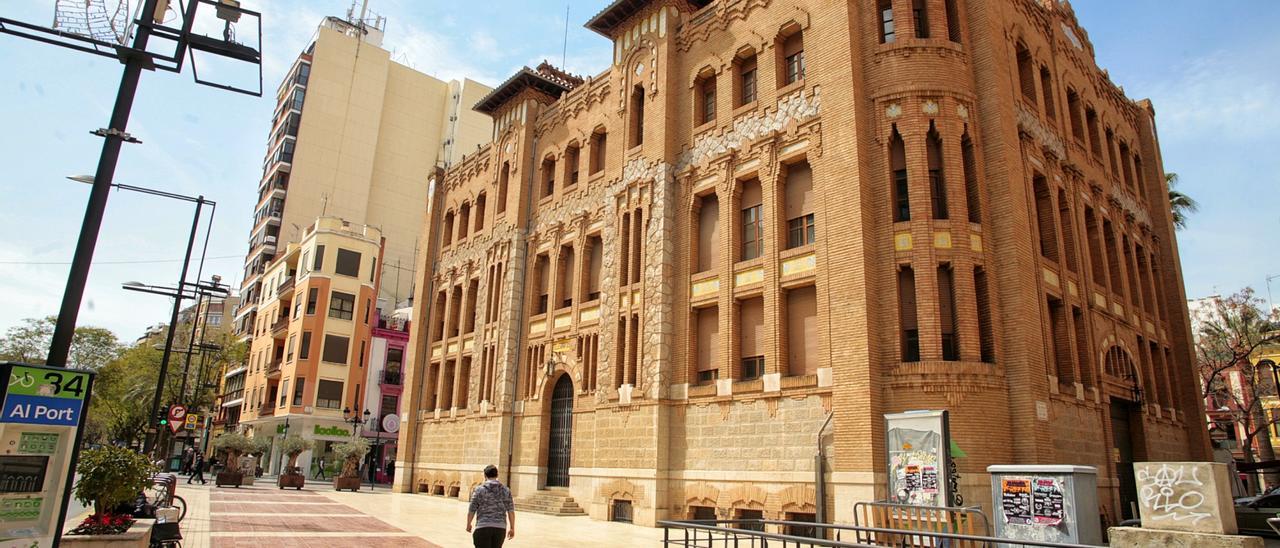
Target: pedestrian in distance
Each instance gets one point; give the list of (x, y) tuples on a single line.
[(320, 469), (493, 512), (197, 470)]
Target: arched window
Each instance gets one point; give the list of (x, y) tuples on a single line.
[(1046, 88), (908, 326), (704, 104), (744, 78), (1026, 72), (920, 16), (1118, 364), (637, 115), (937, 180), (479, 213), (599, 142), (953, 21), (791, 46), (898, 177), (548, 176), (447, 231), (885, 9), (503, 179)]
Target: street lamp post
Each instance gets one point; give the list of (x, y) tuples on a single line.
[(178, 294), (357, 420), (136, 57)]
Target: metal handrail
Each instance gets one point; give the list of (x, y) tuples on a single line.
[(747, 534)]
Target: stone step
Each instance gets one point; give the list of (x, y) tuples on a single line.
[(550, 502)]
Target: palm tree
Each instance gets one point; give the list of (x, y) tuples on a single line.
[(1180, 204)]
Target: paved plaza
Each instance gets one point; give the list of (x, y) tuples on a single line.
[(317, 516)]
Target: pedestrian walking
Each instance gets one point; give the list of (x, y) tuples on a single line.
[(197, 470), (492, 510), (320, 469), (391, 471)]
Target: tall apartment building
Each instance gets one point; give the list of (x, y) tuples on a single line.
[(311, 340), (658, 283), (356, 135)]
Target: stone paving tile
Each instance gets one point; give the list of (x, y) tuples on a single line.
[(299, 524), (282, 508), (322, 542)]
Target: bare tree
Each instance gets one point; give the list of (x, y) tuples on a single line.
[(1231, 333)]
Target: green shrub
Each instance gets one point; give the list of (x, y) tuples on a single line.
[(111, 476)]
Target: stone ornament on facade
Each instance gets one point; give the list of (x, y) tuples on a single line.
[(929, 107), (792, 109), (893, 111), (1029, 122)]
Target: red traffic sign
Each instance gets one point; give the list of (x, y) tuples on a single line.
[(177, 416)]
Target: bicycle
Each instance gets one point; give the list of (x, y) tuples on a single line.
[(164, 494)]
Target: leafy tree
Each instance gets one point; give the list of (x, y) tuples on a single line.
[(28, 342), (294, 446), (350, 453), (1230, 334), (1181, 205), (235, 445)]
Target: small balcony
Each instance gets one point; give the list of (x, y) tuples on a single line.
[(285, 288), (280, 327), (393, 378), (267, 409), (273, 369)]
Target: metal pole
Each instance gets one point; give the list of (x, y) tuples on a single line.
[(115, 136), (173, 322)]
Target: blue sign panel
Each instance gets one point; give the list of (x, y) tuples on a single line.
[(41, 410)]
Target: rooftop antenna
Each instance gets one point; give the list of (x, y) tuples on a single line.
[(564, 51)]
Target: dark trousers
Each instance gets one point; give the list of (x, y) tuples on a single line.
[(197, 475), (489, 537)]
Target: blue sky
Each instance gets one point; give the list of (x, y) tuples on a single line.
[(1217, 110)]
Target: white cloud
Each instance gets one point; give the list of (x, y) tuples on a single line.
[(1223, 94), (436, 54)]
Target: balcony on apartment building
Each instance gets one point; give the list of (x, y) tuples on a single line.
[(267, 409), (285, 288), (280, 327), (391, 377), (273, 369)]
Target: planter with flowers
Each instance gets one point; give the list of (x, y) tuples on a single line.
[(292, 447), (350, 453), (110, 479)]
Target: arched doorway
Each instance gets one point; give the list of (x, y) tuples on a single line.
[(560, 443)]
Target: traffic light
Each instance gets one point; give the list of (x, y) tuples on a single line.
[(162, 417)]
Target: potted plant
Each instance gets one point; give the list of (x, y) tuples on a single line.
[(350, 453), (292, 447), (234, 445), (110, 479), (249, 461)]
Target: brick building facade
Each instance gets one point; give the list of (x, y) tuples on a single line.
[(656, 283)]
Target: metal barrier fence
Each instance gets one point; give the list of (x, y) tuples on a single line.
[(754, 533), (906, 517)]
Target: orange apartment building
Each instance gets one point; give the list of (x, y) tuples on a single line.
[(311, 339), (656, 284)]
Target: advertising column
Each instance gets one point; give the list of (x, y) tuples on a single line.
[(40, 428)]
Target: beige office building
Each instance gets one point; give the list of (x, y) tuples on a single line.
[(356, 135)]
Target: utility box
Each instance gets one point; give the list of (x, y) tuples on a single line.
[(40, 426), (1046, 503)]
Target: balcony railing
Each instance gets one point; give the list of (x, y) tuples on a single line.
[(280, 326), (393, 378), (273, 368), (285, 287), (267, 409)]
